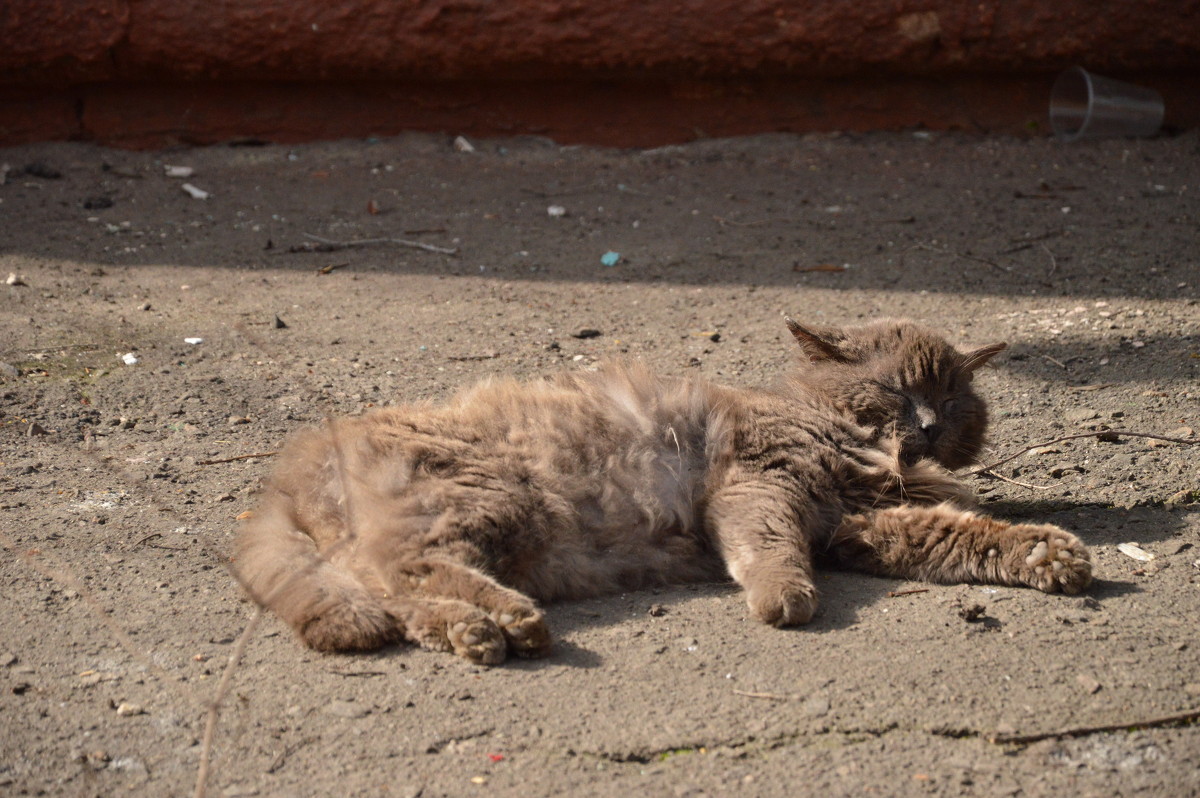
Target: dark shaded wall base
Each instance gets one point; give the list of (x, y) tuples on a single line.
[(612, 113)]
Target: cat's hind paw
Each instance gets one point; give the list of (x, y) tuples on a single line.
[(782, 602), (349, 626), (1054, 560)]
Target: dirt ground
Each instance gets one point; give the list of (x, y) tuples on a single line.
[(118, 616)]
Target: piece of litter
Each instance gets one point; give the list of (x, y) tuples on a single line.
[(179, 171), (556, 211), (193, 341), (129, 358), (195, 193), (13, 279), (462, 145), (1135, 551), (610, 258)]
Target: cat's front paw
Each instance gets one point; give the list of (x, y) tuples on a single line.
[(782, 602), (525, 630), (1052, 559), (478, 640)]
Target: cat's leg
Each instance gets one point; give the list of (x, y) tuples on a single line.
[(766, 549), (449, 625), (518, 617), (942, 543)]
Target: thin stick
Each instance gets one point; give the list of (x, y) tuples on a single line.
[(1058, 363), (333, 246), (759, 223), (1079, 731), (899, 593), (238, 457), (770, 696), (994, 475), (214, 708), (1012, 457), (976, 258), (1053, 261)]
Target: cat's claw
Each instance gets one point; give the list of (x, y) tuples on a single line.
[(1056, 561)]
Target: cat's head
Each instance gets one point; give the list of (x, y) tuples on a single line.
[(903, 381)]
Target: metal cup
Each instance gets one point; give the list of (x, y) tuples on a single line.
[(1084, 106)]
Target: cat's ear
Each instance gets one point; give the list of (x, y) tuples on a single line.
[(818, 344), (974, 359)]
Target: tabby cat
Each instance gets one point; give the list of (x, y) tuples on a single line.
[(444, 524)]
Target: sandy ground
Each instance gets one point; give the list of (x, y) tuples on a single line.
[(118, 616)]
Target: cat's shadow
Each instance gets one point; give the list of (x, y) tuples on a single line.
[(1097, 524), (845, 593)]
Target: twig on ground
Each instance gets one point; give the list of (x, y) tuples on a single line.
[(330, 245), (238, 457), (994, 475), (1106, 432), (759, 223), (1053, 261), (899, 593), (214, 707), (770, 696), (958, 254), (1056, 362), (1079, 731)]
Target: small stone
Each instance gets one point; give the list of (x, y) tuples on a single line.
[(1081, 414), (556, 211), (1088, 683), (13, 279), (587, 332), (9, 370), (657, 610), (347, 709), (462, 145), (1192, 688), (35, 429), (7, 659), (816, 707), (144, 306), (1062, 469), (279, 324), (239, 791), (127, 709), (1135, 551)]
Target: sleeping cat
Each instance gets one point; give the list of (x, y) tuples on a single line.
[(444, 524)]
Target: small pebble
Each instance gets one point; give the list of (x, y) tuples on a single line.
[(587, 332), (126, 709), (347, 709)]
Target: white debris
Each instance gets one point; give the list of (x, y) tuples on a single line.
[(129, 358), (462, 145), (193, 341), (1135, 551), (195, 193), (556, 211), (13, 279), (181, 172)]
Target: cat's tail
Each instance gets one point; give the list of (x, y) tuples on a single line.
[(281, 567)]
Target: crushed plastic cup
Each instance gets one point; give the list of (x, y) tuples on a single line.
[(1087, 106)]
